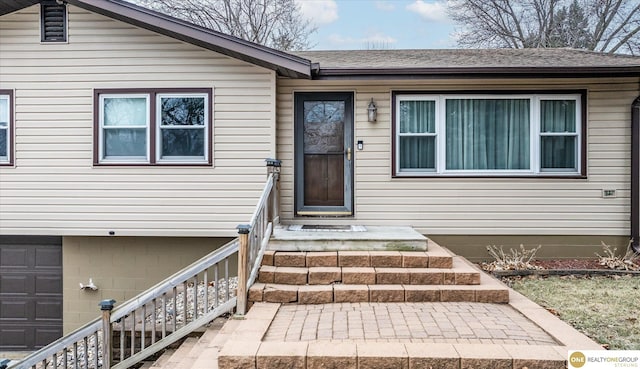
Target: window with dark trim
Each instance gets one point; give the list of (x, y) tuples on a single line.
[(53, 21), (159, 126), (488, 134), (6, 127)]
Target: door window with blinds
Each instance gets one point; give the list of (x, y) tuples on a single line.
[(489, 135)]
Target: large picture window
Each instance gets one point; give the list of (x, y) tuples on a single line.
[(154, 127), (6, 127), (537, 134)]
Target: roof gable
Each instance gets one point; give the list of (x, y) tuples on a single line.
[(284, 64)]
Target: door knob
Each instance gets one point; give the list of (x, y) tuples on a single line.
[(349, 154)]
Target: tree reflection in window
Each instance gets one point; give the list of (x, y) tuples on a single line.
[(323, 126), (183, 126)]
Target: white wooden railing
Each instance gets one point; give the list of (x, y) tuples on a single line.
[(254, 237), (173, 308)]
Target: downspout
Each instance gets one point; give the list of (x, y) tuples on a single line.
[(635, 175)]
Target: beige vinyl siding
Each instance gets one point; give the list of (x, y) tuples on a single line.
[(468, 206), (55, 189)]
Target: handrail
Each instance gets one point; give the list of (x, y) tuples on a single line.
[(254, 237), (172, 308)]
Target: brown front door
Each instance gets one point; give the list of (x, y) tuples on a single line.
[(324, 154)]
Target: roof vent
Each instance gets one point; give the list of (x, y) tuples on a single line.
[(53, 21)]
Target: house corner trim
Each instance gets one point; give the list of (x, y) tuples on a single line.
[(635, 174)]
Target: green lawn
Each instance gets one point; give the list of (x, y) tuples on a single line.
[(604, 308)]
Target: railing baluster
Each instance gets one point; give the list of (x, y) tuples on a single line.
[(195, 297), (96, 354), (185, 289), (133, 333), (154, 319), (164, 315), (216, 284), (226, 278), (143, 329), (85, 348), (75, 355), (123, 337), (205, 282), (175, 309)]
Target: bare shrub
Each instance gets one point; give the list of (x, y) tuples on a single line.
[(512, 260), (629, 261)]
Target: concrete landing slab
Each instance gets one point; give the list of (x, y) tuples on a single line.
[(370, 238)]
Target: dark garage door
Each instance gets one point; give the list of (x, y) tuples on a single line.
[(30, 291)]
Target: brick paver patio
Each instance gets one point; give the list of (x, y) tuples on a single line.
[(451, 322)]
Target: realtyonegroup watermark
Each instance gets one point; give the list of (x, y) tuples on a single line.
[(602, 359)]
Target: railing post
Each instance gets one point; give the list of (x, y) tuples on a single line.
[(243, 272), (107, 333), (273, 166)]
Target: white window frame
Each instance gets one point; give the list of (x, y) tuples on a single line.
[(535, 135), (7, 159), (577, 134), (437, 154), (158, 127), (123, 159)]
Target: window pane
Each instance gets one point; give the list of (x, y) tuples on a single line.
[(182, 111), (125, 111), (558, 115), (487, 134), (3, 142), (183, 142), (417, 116), (324, 127), (4, 112), (558, 152), (417, 152), (125, 142)]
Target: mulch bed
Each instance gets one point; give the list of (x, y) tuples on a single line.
[(565, 267), (569, 264)]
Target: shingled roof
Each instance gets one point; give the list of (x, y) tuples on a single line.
[(470, 63)]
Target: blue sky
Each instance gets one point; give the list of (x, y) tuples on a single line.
[(393, 24)]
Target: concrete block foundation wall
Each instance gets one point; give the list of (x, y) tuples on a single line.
[(474, 248), (122, 267)]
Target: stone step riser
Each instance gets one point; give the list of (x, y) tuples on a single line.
[(375, 293), (368, 276), (380, 259)]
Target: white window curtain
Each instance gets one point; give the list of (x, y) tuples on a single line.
[(417, 135), (558, 134), (487, 134)]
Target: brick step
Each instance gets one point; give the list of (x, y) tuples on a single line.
[(367, 275), (436, 257), (362, 354), (186, 356), (324, 294)]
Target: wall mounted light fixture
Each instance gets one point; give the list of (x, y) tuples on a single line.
[(372, 112)]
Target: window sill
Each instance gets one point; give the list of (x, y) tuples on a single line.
[(163, 164), (489, 176)]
